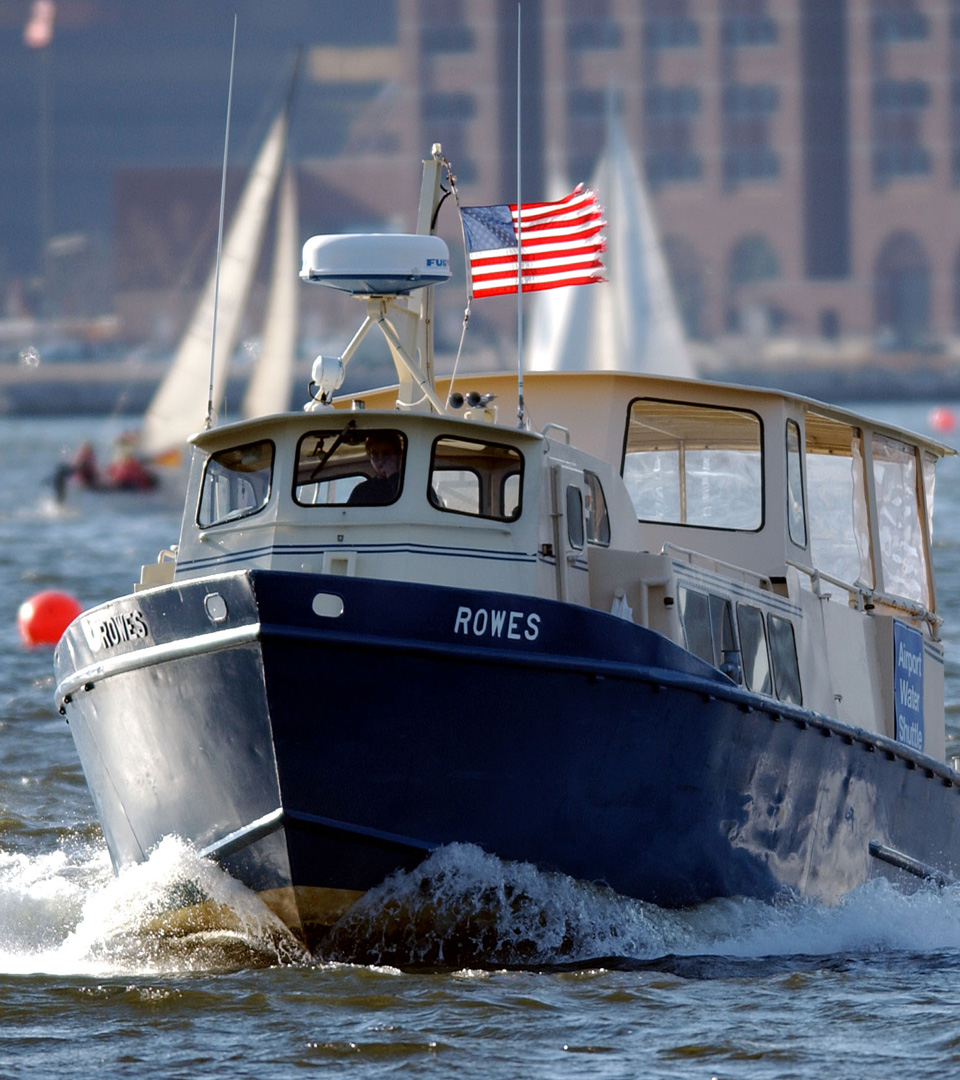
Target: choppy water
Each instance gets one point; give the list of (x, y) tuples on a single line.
[(466, 967)]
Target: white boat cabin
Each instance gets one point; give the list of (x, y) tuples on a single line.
[(784, 541)]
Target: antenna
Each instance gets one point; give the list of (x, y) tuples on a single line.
[(208, 422), (521, 422)]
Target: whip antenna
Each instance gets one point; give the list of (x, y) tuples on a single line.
[(520, 416), (223, 191)]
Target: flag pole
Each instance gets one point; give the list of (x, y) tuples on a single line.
[(521, 420)]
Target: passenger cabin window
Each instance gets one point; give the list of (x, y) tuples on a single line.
[(575, 532), (753, 649), (480, 479), (598, 520), (783, 654), (694, 465), (903, 551), (708, 629), (929, 482), (837, 511), (236, 483), (350, 466), (796, 514)]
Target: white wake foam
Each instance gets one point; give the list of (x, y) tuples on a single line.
[(68, 914), (65, 913), (462, 907)]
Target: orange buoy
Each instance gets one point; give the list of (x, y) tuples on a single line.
[(43, 618), (941, 419)]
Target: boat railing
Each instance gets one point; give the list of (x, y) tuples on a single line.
[(761, 581), (866, 599)]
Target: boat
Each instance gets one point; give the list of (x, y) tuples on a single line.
[(151, 459), (677, 637), (634, 324)]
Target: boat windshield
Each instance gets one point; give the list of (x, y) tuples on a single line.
[(350, 466), (236, 483), (481, 479), (694, 465)]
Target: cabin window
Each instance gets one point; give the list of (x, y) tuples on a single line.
[(837, 509), (350, 466), (236, 483), (708, 629), (929, 481), (903, 556), (753, 649), (574, 516), (695, 617), (783, 654), (480, 479), (598, 520), (694, 465), (796, 516)]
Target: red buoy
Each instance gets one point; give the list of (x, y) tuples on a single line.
[(43, 618), (941, 419)]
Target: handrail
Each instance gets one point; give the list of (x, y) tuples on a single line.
[(866, 598), (763, 580)]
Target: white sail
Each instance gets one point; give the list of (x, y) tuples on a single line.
[(270, 384), (179, 407), (631, 321)]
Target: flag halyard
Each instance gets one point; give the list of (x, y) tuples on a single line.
[(562, 244)]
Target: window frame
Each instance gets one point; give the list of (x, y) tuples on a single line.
[(717, 408), (480, 515), (233, 517), (358, 434)]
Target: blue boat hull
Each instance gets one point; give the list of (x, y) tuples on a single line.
[(314, 751)]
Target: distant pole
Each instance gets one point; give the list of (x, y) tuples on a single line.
[(521, 422), (223, 194), (45, 177), (38, 34)]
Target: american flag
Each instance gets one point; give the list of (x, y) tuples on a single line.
[(562, 244)]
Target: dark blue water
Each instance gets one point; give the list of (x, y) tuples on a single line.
[(511, 973)]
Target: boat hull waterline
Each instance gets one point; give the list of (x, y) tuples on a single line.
[(315, 733)]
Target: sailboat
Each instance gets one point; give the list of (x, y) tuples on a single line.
[(632, 323), (179, 406), (144, 462)]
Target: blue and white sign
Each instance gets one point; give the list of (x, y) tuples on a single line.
[(908, 684)]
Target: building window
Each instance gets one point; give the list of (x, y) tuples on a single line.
[(893, 95), (745, 99), (752, 263), (447, 106), (898, 106), (747, 155), (897, 20), (590, 26), (668, 136), (746, 22), (443, 27), (902, 293), (667, 25)]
